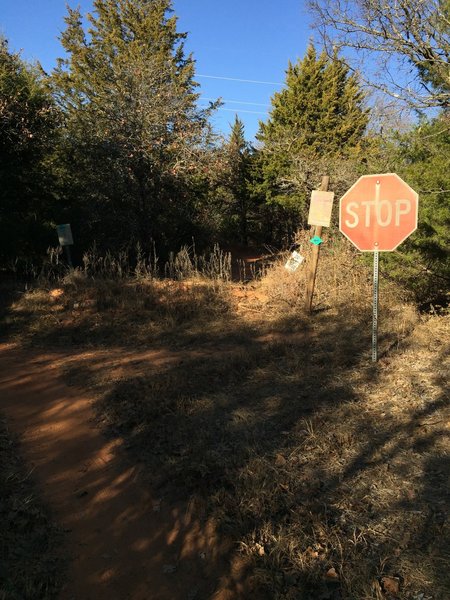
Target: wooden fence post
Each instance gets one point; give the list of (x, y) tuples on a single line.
[(311, 281)]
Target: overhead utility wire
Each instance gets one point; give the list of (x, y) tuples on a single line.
[(241, 80), (234, 101), (242, 110)]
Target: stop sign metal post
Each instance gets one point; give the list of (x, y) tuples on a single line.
[(377, 214)]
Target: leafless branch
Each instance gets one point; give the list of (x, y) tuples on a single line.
[(409, 38)]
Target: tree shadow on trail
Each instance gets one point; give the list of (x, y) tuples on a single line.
[(210, 406), (315, 462), (221, 422), (276, 436)]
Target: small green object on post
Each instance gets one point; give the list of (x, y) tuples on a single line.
[(316, 240)]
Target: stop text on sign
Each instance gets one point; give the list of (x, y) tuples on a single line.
[(378, 212), (383, 213)]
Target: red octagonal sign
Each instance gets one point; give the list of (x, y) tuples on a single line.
[(378, 212)]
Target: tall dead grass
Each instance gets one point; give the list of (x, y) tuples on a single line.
[(111, 299), (125, 264), (344, 289), (327, 470), (342, 278), (108, 294)]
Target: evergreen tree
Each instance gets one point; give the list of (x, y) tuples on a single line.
[(421, 158), (133, 131), (238, 156), (319, 117), (27, 130)]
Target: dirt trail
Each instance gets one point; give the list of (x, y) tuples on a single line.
[(124, 544)]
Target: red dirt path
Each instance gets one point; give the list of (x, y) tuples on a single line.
[(122, 543)]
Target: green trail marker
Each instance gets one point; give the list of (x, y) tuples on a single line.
[(316, 240)]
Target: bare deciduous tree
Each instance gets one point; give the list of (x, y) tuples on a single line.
[(410, 39)]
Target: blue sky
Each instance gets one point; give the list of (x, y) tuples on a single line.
[(246, 39)]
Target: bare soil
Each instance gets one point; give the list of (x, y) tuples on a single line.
[(123, 543)]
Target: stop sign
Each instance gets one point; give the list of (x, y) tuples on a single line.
[(378, 212)]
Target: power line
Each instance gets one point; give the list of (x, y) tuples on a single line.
[(234, 101), (242, 110), (241, 80)]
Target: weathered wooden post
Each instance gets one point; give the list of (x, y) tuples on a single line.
[(316, 218)]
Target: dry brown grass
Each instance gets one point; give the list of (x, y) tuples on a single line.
[(361, 483), (85, 312), (344, 279), (329, 472), (343, 292)]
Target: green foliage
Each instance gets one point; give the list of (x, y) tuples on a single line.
[(237, 162), (319, 115), (133, 133), (320, 109), (433, 65), (27, 130), (421, 158)]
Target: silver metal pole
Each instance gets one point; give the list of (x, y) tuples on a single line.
[(376, 260)]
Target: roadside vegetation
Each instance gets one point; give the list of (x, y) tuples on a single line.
[(328, 472), (122, 150)]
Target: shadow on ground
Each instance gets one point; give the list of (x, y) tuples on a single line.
[(327, 473), (326, 491), (31, 562)]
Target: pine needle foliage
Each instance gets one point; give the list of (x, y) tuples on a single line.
[(422, 263), (28, 120), (238, 155), (133, 129), (320, 114)]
